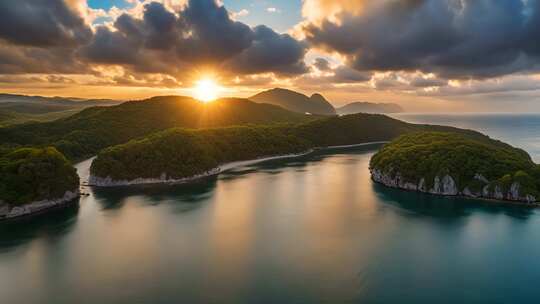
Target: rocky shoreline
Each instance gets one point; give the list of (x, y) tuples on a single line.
[(98, 181), (446, 186), (163, 179), (12, 212)]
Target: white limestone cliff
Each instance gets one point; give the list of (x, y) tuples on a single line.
[(447, 186), (7, 212)]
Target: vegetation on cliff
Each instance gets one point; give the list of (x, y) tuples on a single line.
[(477, 164), (34, 174), (180, 153)]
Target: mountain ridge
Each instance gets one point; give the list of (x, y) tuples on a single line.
[(16, 109), (92, 129), (295, 101), (369, 107)]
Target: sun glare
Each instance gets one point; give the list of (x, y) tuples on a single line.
[(206, 90)]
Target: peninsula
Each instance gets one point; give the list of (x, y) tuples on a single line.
[(178, 155)]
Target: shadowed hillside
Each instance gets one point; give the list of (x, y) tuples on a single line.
[(16, 109), (85, 133)]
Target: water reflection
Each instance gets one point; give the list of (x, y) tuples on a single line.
[(447, 207), (308, 230), (49, 226), (195, 192)]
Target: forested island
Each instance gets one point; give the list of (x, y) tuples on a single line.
[(36, 171), (174, 138), (447, 163), (179, 154), (35, 179)]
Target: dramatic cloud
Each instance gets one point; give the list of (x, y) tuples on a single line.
[(42, 23), (152, 37), (512, 83), (21, 60), (270, 51), (344, 74), (200, 34), (322, 64), (452, 38), (409, 47), (111, 48)]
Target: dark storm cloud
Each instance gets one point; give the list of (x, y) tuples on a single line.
[(532, 36), (110, 47), (213, 35), (322, 64), (41, 23), (453, 38), (202, 33), (344, 74), (21, 60), (270, 51), (34, 34), (41, 36)]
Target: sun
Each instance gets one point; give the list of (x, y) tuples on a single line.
[(206, 90)]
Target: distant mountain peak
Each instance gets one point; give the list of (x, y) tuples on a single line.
[(295, 101), (317, 96), (369, 107)]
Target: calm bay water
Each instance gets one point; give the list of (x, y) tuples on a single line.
[(308, 230)]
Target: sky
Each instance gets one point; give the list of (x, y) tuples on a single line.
[(426, 55)]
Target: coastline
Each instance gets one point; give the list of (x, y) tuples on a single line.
[(352, 146), (96, 181), (409, 187), (483, 199), (37, 207)]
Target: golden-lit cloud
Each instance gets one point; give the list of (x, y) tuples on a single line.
[(348, 49), (172, 38), (317, 11)]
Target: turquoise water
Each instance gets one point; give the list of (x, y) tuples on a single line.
[(308, 230)]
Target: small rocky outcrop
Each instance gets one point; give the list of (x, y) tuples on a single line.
[(447, 186)]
